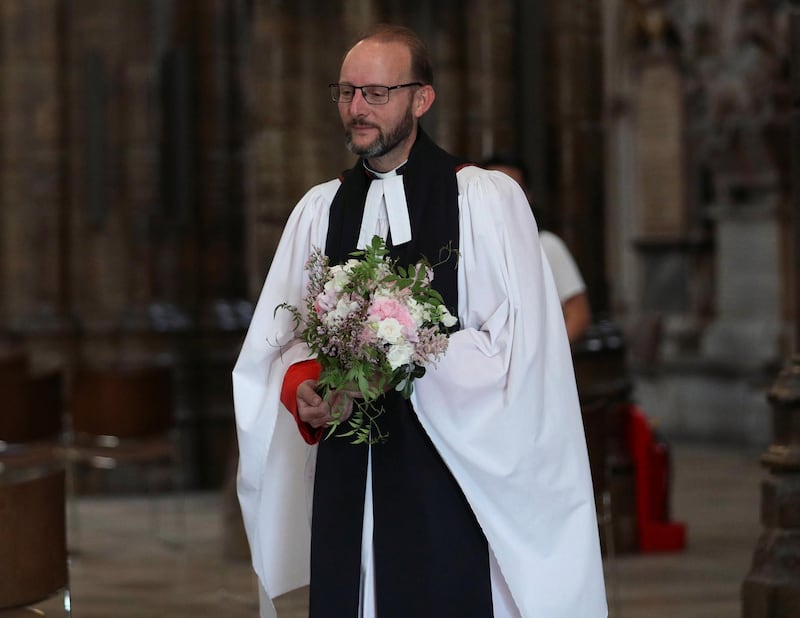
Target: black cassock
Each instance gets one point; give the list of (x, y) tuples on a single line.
[(431, 556)]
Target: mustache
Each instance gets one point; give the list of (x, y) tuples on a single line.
[(359, 124)]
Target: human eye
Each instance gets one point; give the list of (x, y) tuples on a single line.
[(376, 92), (346, 91)]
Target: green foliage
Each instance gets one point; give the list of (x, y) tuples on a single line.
[(356, 356)]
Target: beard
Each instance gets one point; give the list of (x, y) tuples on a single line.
[(384, 142)]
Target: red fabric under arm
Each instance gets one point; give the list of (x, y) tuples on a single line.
[(295, 376)]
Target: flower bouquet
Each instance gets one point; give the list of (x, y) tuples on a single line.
[(374, 326)]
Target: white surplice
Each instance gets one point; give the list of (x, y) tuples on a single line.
[(501, 408)]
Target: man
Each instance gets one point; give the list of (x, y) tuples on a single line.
[(480, 502), (569, 282)]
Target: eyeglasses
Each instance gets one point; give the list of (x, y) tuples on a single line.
[(374, 95)]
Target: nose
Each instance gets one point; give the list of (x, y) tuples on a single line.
[(358, 106)]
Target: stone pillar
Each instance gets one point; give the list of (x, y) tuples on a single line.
[(293, 137), (34, 289), (149, 28), (621, 164), (576, 139), (489, 87), (115, 48), (447, 43), (316, 152), (176, 219), (113, 157), (530, 94), (265, 181), (219, 286), (772, 587)]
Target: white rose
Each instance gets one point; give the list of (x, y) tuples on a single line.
[(390, 331), (338, 279), (399, 355), (417, 311), (327, 300), (447, 318), (343, 308)]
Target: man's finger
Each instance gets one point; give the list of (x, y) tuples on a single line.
[(307, 394)]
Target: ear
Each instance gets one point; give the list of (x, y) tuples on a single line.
[(423, 99)]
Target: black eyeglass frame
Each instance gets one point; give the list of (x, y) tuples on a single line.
[(335, 88)]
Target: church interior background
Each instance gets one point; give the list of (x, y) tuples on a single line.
[(150, 153)]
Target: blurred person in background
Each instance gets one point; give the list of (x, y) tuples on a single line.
[(569, 282)]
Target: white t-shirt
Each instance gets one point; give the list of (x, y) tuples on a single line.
[(565, 271)]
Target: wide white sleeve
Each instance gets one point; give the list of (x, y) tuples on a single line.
[(502, 409), (276, 506)]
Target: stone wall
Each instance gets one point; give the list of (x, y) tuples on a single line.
[(706, 297)]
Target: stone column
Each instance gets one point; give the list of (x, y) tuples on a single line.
[(576, 143), (265, 181), (219, 285), (150, 31), (294, 135), (621, 162), (117, 221), (314, 148), (489, 82), (447, 43), (772, 587), (34, 290), (530, 95)]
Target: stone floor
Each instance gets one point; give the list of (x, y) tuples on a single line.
[(123, 567)]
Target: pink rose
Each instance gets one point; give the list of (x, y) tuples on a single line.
[(383, 307)]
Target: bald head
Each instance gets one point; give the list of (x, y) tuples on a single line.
[(421, 68)]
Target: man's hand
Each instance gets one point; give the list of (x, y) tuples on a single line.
[(315, 411)]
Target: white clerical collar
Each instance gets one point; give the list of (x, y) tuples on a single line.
[(384, 175), (386, 187)]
